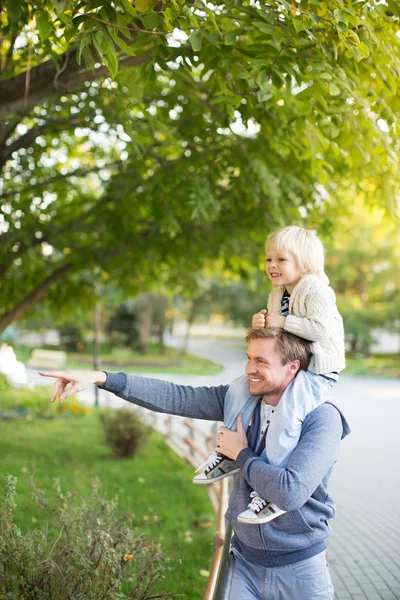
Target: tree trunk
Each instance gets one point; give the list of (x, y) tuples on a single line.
[(30, 300)]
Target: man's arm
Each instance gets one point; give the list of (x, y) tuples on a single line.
[(314, 455), (154, 394), (166, 397)]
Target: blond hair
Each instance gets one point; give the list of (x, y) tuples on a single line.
[(305, 246), (290, 346)]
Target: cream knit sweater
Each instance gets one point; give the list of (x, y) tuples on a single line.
[(313, 315)]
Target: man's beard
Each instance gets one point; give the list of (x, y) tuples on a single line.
[(269, 391)]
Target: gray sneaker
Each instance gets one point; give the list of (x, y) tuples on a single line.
[(260, 511), (216, 467)]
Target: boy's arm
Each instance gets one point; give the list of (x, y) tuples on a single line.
[(166, 397), (314, 455), (316, 325)]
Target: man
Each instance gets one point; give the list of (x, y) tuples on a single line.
[(283, 559)]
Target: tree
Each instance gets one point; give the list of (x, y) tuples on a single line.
[(362, 263), (147, 139)]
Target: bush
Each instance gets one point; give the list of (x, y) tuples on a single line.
[(5, 385), (124, 432), (83, 550), (36, 402)]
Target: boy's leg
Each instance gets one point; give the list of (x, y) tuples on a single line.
[(260, 511), (216, 467)]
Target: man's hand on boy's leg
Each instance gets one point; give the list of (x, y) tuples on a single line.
[(231, 443)]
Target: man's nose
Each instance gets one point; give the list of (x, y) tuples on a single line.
[(250, 368)]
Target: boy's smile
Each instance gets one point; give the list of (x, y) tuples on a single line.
[(282, 268)]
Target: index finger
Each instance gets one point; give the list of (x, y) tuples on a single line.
[(55, 374)]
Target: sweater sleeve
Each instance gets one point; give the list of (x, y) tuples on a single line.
[(317, 323), (166, 397), (313, 457)]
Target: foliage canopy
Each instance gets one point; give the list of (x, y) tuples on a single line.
[(150, 137)]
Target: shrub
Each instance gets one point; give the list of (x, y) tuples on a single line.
[(84, 550), (5, 385), (22, 402), (124, 432)]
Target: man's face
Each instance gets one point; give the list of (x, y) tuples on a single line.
[(267, 375)]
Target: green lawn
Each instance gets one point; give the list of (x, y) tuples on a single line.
[(156, 485), (377, 365), (113, 358)]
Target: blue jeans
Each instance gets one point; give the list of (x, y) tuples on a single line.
[(305, 580)]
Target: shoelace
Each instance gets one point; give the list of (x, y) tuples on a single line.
[(210, 462), (257, 503)]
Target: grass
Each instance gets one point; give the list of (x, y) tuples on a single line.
[(155, 484), (376, 365), (129, 360)]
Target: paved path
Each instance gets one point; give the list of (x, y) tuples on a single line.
[(364, 549)]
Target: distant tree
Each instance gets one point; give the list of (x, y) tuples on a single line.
[(362, 263)]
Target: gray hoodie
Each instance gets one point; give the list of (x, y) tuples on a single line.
[(300, 488)]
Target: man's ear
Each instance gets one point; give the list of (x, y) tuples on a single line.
[(294, 367)]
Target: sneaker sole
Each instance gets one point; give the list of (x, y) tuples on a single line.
[(260, 521), (215, 479)]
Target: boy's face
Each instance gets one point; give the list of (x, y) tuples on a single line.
[(282, 268)]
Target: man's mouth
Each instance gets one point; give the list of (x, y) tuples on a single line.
[(254, 380)]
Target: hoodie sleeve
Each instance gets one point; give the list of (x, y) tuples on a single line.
[(166, 397), (313, 457)]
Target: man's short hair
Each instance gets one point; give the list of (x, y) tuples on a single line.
[(290, 346)]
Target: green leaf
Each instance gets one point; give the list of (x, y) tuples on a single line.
[(129, 49), (334, 90), (83, 43), (265, 27), (142, 5), (315, 18), (301, 24), (150, 21), (43, 24), (105, 47), (213, 38), (361, 52), (352, 39), (394, 7), (195, 40), (341, 26), (14, 10), (352, 19), (230, 39), (128, 7)]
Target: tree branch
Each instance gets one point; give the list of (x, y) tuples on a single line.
[(46, 81)]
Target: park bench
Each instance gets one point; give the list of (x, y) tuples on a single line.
[(49, 359)]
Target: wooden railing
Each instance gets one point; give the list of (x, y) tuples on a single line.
[(191, 442)]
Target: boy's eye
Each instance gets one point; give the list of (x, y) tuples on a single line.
[(282, 259), (268, 259)]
